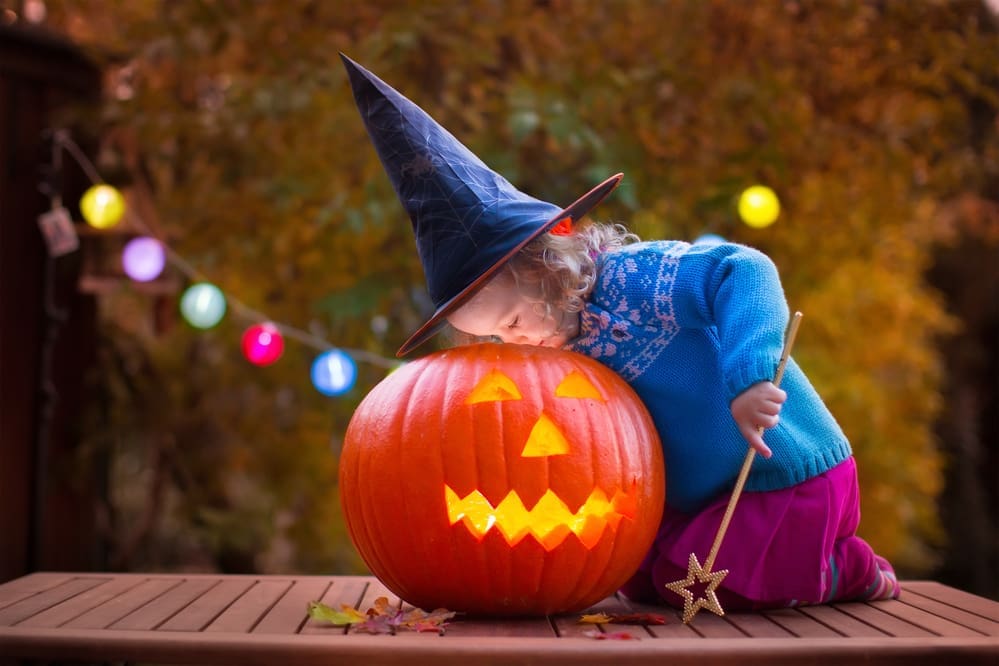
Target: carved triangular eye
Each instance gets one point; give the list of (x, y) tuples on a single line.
[(494, 387), (576, 385), (545, 440)]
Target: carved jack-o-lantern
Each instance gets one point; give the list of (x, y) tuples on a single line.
[(502, 479)]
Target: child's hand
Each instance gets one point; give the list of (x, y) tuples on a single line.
[(756, 408)]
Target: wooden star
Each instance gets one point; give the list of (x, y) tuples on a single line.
[(695, 573)]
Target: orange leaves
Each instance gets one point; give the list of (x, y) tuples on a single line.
[(382, 617), (622, 618), (641, 619)]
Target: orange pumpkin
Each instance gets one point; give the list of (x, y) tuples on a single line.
[(502, 479)]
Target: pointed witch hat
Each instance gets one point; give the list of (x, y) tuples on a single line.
[(468, 220)]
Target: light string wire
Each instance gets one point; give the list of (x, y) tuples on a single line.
[(63, 140)]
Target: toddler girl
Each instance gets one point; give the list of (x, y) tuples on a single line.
[(697, 331)]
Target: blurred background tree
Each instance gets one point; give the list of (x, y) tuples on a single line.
[(875, 122)]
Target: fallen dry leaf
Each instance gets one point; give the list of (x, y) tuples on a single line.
[(610, 635)]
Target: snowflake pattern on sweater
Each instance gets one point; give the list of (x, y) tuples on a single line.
[(603, 335)]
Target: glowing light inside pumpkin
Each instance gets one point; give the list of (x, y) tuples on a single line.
[(497, 387), (550, 521)]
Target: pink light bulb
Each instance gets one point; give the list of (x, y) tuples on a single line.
[(263, 344)]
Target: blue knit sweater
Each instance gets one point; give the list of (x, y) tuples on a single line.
[(689, 327)]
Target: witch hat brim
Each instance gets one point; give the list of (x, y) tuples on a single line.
[(468, 220), (574, 211)]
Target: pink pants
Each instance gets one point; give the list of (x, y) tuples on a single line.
[(786, 547)]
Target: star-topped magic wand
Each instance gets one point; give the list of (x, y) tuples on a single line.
[(703, 575)]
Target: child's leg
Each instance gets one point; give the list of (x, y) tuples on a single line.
[(665, 572), (857, 573), (648, 585), (783, 548)]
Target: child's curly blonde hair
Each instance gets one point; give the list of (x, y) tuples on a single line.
[(562, 267)]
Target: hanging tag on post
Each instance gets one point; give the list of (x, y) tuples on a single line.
[(58, 232)]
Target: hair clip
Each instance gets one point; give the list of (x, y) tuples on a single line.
[(563, 228)]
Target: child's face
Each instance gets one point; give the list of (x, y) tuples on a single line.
[(513, 314)]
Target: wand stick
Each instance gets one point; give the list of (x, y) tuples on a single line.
[(792, 333), (694, 569)]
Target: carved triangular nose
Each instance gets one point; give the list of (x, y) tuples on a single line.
[(546, 439)]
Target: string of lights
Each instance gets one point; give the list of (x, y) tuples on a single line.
[(202, 304)]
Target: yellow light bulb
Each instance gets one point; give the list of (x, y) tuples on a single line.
[(102, 206), (758, 206)]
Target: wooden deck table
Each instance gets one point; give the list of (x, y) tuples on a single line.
[(247, 620)]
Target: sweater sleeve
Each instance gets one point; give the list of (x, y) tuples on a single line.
[(735, 289)]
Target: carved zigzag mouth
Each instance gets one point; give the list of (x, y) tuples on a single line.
[(550, 521)]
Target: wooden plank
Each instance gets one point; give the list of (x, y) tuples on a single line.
[(289, 614), (841, 622), (566, 625), (986, 608), (520, 627), (48, 598), (757, 625), (799, 624), (205, 608), (895, 632), (984, 626), (81, 603), (244, 613), (407, 649), (709, 625), (920, 618), (21, 588), (874, 616), (674, 627), (158, 610), (116, 608), (965, 602)]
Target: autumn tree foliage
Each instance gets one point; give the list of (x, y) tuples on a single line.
[(873, 121)]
